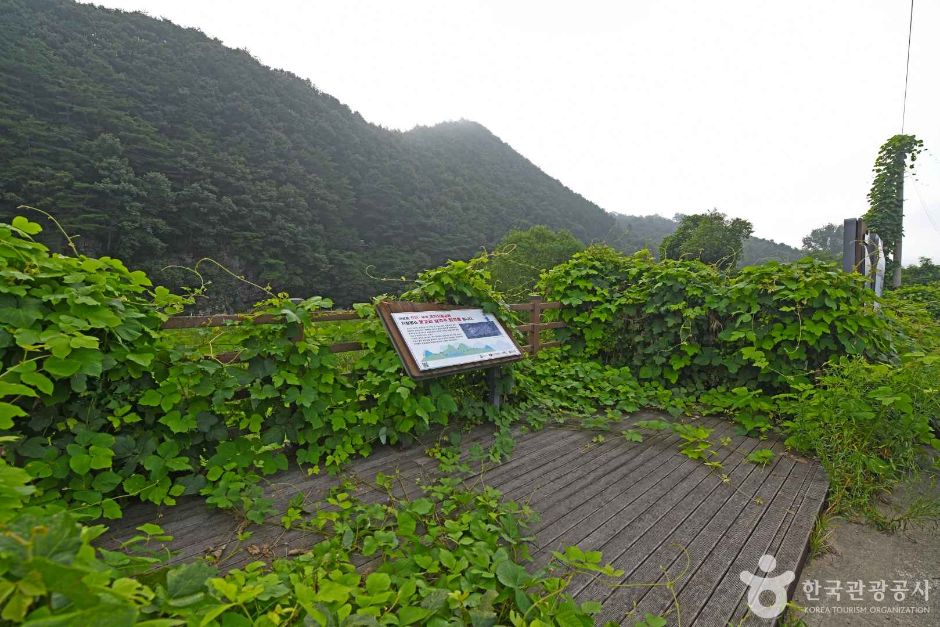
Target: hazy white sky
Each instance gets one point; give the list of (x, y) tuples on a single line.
[(771, 111)]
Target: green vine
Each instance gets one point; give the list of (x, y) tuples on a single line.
[(886, 203), (102, 405)]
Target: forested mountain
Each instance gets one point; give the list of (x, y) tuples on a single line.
[(160, 146), (649, 232)]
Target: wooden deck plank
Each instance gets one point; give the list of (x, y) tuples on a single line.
[(636, 502), (592, 527), (225, 527), (661, 548), (562, 510), (140, 513), (730, 527), (566, 474), (590, 469), (776, 518), (792, 547), (629, 544), (734, 511)]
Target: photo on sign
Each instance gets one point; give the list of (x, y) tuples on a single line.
[(480, 329)]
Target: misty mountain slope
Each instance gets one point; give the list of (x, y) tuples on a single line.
[(158, 145)]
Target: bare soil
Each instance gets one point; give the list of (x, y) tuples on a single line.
[(861, 552)]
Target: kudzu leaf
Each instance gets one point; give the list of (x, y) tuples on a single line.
[(378, 582), (15, 389), (61, 368), (23, 224), (80, 463), (38, 380), (512, 575)]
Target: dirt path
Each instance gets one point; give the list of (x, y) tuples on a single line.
[(859, 552)]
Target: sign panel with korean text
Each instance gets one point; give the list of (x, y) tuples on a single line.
[(440, 339)]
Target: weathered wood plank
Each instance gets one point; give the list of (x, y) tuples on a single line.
[(587, 468), (678, 529), (616, 483), (729, 528), (792, 547), (724, 598), (637, 502), (639, 528)]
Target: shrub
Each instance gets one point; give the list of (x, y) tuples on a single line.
[(867, 424), (685, 323), (708, 237), (926, 295), (522, 255)]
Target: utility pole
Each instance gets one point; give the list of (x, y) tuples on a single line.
[(896, 279)]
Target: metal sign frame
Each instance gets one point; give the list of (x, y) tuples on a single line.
[(385, 309)]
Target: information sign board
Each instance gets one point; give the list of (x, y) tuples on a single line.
[(433, 340)]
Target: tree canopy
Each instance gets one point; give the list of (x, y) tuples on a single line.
[(825, 242), (709, 237), (522, 256), (924, 273), (648, 232), (160, 146)]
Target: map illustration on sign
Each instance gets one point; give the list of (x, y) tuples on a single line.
[(437, 339)]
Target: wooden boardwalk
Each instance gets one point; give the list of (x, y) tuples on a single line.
[(654, 513)]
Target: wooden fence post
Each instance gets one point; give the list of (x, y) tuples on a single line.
[(535, 318)]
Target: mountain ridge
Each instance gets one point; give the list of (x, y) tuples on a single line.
[(159, 145)]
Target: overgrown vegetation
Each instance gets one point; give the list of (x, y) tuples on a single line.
[(103, 405), (522, 256), (451, 555), (885, 214), (802, 348), (685, 323), (825, 242), (100, 406), (926, 272)]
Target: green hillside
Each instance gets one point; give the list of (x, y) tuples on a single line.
[(160, 146)]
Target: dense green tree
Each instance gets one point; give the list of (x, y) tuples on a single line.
[(648, 232), (522, 255), (825, 242), (709, 237), (925, 273), (642, 232), (158, 144), (758, 250)]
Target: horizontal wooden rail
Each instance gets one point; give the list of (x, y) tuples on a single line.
[(221, 320), (529, 305), (540, 326), (543, 345), (345, 347), (531, 329)]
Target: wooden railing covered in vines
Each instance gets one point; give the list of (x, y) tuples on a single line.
[(532, 329)]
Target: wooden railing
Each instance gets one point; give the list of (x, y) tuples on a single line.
[(532, 329)]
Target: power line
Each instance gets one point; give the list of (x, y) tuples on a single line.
[(923, 205), (907, 66)]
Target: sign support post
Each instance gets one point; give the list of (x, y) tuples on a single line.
[(492, 381)]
